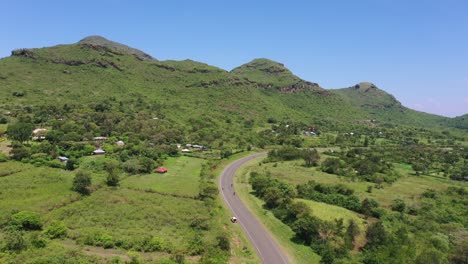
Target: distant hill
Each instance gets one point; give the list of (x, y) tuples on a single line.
[(95, 69), (385, 107), (100, 41), (460, 122)]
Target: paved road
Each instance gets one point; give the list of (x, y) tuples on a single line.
[(267, 248)]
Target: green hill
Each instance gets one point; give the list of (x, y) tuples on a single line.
[(384, 107), (96, 69), (460, 122)]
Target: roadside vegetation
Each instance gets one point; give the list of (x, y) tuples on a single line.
[(347, 214)]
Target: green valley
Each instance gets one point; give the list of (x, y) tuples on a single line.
[(352, 175)]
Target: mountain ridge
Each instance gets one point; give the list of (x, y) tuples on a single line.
[(101, 67)]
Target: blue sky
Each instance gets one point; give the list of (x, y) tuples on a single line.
[(416, 50)]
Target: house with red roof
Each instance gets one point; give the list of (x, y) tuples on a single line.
[(161, 170)]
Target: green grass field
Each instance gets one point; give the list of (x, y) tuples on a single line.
[(408, 187), (123, 216), (12, 167), (35, 189), (182, 178), (127, 214)]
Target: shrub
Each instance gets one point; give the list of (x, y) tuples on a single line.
[(223, 242), (14, 240), (81, 182), (106, 241), (27, 220), (56, 230), (178, 257), (3, 157), (155, 244), (3, 120), (398, 205), (134, 258), (200, 223), (18, 93), (429, 193), (55, 164), (196, 245), (38, 241)]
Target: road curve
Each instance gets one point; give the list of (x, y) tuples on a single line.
[(267, 248)]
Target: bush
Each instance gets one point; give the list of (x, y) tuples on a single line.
[(38, 241), (3, 157), (106, 241), (56, 230), (196, 245), (27, 220), (223, 242), (18, 93), (134, 258), (398, 205), (200, 223), (155, 244), (14, 241), (81, 182), (55, 164)]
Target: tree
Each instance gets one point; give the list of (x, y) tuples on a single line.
[(147, 164), (272, 197), (298, 210), (432, 256), (56, 230), (311, 157), (81, 182), (419, 167), (306, 228), (20, 131), (226, 152), (19, 152), (368, 205), (132, 166), (14, 240), (398, 205), (112, 168), (366, 141), (376, 235), (351, 232), (27, 220), (331, 165), (328, 256), (54, 136), (378, 182), (112, 180)]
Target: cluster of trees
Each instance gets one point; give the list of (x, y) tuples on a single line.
[(25, 230), (311, 157), (340, 195), (366, 164), (141, 123), (438, 223), (330, 239)]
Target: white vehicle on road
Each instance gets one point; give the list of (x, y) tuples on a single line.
[(234, 219)]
